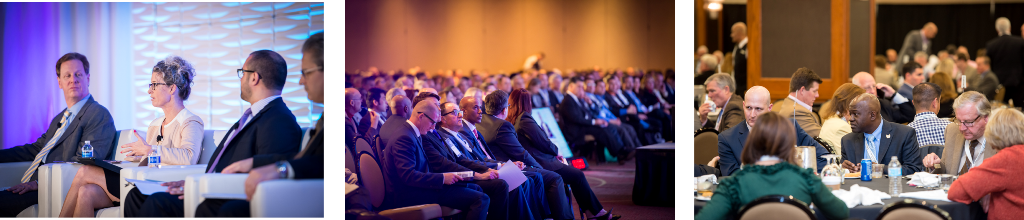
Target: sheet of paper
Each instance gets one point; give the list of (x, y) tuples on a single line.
[(147, 187), (512, 175), (237, 196)]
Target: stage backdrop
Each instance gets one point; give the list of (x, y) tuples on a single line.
[(499, 35), (217, 38)]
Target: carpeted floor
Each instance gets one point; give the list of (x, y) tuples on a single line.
[(613, 185)]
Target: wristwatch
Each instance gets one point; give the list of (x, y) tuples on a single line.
[(282, 169)]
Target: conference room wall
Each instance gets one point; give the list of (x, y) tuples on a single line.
[(499, 35)]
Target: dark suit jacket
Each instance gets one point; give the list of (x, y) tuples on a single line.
[(574, 118), (985, 83), (536, 141), (406, 172), (311, 164), (911, 44), (896, 140), (731, 142), (475, 155), (732, 114), (93, 123), (500, 136), (1007, 54), (351, 132), (739, 63), (390, 126), (442, 159), (364, 126), (703, 77), (553, 99), (270, 134), (479, 145)]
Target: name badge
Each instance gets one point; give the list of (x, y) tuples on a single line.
[(452, 146)]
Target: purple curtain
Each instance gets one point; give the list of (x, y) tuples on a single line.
[(31, 96)]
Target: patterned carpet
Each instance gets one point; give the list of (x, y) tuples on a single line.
[(613, 185)]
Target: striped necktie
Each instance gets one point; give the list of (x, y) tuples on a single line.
[(46, 150)]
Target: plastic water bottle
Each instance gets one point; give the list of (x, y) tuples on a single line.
[(154, 156), (895, 173), (87, 150)]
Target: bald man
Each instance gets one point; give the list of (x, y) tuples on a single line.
[(731, 141), (353, 104), (401, 106), (410, 182), (739, 56), (895, 107), (916, 40), (878, 140)]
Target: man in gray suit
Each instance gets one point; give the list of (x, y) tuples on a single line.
[(986, 81), (916, 40), (83, 120)]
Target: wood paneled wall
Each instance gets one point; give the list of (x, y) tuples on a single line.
[(499, 35)]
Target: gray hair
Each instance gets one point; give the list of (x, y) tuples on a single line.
[(920, 54), (178, 72), (1003, 25), (709, 60), (723, 79), (392, 93), (972, 97)]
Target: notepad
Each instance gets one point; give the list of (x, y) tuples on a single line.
[(512, 175), (147, 187)]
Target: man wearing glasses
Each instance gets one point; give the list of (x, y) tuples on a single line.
[(965, 146)]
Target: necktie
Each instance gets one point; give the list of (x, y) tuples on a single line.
[(477, 139), (46, 150), (872, 151), (968, 163), (241, 124)]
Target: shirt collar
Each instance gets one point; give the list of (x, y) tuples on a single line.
[(470, 125), (925, 115), (878, 131), (743, 42), (417, 130), (456, 134), (574, 97), (808, 107), (77, 107), (259, 105)]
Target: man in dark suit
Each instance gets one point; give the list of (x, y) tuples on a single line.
[(540, 97), (410, 182), (553, 183), (916, 40), (266, 133), (401, 112), (83, 120), (1007, 53), (986, 81), (353, 103), (731, 141), (555, 95), (739, 56), (579, 122), (878, 140), (619, 105), (377, 105), (720, 89), (307, 164)]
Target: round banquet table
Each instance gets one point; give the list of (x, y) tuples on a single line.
[(956, 210)]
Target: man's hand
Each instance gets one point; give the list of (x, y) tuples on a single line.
[(631, 110), (24, 187), (704, 109), (521, 165), (615, 122), (449, 178), (889, 92), (851, 166), (601, 122), (241, 166), (489, 175), (930, 160), (642, 116), (713, 161), (257, 176)]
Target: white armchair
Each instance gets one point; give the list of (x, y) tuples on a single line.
[(55, 178), (288, 198)]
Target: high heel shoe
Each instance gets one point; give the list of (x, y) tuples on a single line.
[(607, 216)]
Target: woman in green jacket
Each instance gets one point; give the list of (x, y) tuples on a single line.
[(769, 169)]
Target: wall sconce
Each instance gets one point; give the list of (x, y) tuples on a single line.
[(713, 7)]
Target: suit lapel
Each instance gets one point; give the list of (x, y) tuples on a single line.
[(858, 152), (958, 149), (74, 123), (884, 140)]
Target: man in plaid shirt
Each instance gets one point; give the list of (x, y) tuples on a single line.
[(930, 128)]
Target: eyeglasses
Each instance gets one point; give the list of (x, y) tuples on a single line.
[(456, 111), (970, 124), (310, 71), (153, 85), (432, 121), (241, 73)]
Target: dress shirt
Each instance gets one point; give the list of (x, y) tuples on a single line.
[(930, 129), (799, 102), (414, 128), (877, 137), (979, 153)]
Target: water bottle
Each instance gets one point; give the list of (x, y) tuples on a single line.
[(154, 156), (87, 150), (895, 173)]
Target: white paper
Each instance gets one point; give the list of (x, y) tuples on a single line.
[(512, 176), (236, 196), (147, 187), (927, 195)]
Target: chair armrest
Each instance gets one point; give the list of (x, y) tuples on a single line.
[(289, 198), (55, 180), (10, 173), (424, 212), (196, 185), (168, 173)]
